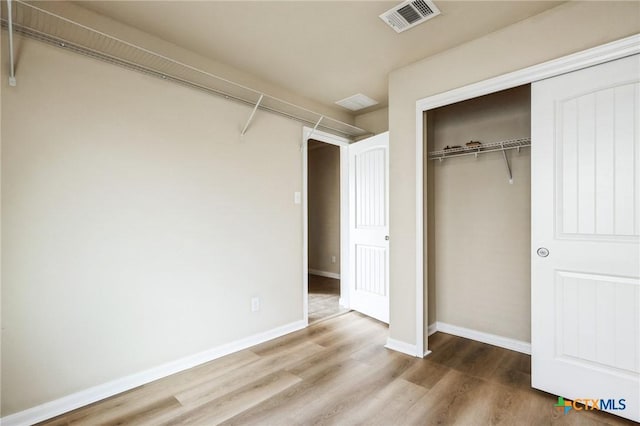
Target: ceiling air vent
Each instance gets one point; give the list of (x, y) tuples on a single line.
[(410, 13)]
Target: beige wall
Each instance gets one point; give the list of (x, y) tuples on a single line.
[(376, 121), (136, 224), (479, 257), (324, 207), (566, 29)]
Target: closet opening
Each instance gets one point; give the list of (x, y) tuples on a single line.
[(477, 222), (323, 183)]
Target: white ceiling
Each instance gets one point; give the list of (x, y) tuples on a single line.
[(324, 50)]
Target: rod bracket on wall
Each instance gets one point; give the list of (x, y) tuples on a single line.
[(315, 127), (12, 70), (255, 108), (312, 130), (506, 162)]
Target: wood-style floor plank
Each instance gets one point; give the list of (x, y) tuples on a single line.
[(232, 403), (324, 295), (337, 372)]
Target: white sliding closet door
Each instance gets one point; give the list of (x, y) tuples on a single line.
[(369, 226), (585, 228)]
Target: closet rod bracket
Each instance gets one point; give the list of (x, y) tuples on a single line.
[(315, 127), (311, 132), (255, 108), (506, 162), (12, 71)]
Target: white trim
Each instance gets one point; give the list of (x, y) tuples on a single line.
[(432, 328), (399, 346), (325, 137), (586, 58), (114, 387), (594, 56), (420, 250), (343, 143), (344, 227), (491, 339), (305, 226), (324, 274)]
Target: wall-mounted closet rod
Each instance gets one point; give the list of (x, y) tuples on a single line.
[(36, 35), (482, 149), (40, 24), (12, 70), (502, 146), (137, 68)]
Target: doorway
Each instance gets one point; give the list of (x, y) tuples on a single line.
[(478, 210), (313, 137), (571, 249), (539, 72), (363, 227), (323, 198)]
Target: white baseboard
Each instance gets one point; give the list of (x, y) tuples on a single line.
[(97, 393), (399, 346), (432, 329), (324, 274), (492, 339)]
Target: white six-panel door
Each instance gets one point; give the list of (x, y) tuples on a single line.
[(585, 229), (369, 226)]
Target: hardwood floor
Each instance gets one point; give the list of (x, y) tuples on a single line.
[(338, 372), (324, 294)]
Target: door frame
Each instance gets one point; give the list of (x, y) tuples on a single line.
[(604, 53), (343, 143)]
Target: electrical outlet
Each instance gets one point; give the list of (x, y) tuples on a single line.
[(255, 304), (333, 259)]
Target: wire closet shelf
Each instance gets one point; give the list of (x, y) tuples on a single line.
[(481, 149), (36, 23)]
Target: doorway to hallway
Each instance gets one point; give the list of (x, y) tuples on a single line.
[(324, 295)]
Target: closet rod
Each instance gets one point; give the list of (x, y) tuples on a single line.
[(482, 149), (40, 24), (502, 146)]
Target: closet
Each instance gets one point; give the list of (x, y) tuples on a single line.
[(478, 215), (532, 229)]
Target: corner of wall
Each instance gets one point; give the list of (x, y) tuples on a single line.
[(375, 121)]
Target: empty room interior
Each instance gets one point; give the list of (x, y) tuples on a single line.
[(320, 212)]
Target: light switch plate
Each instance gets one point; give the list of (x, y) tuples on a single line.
[(297, 197)]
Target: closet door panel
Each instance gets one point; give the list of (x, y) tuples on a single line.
[(585, 286)]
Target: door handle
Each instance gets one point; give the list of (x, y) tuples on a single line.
[(386, 238), (543, 252)]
